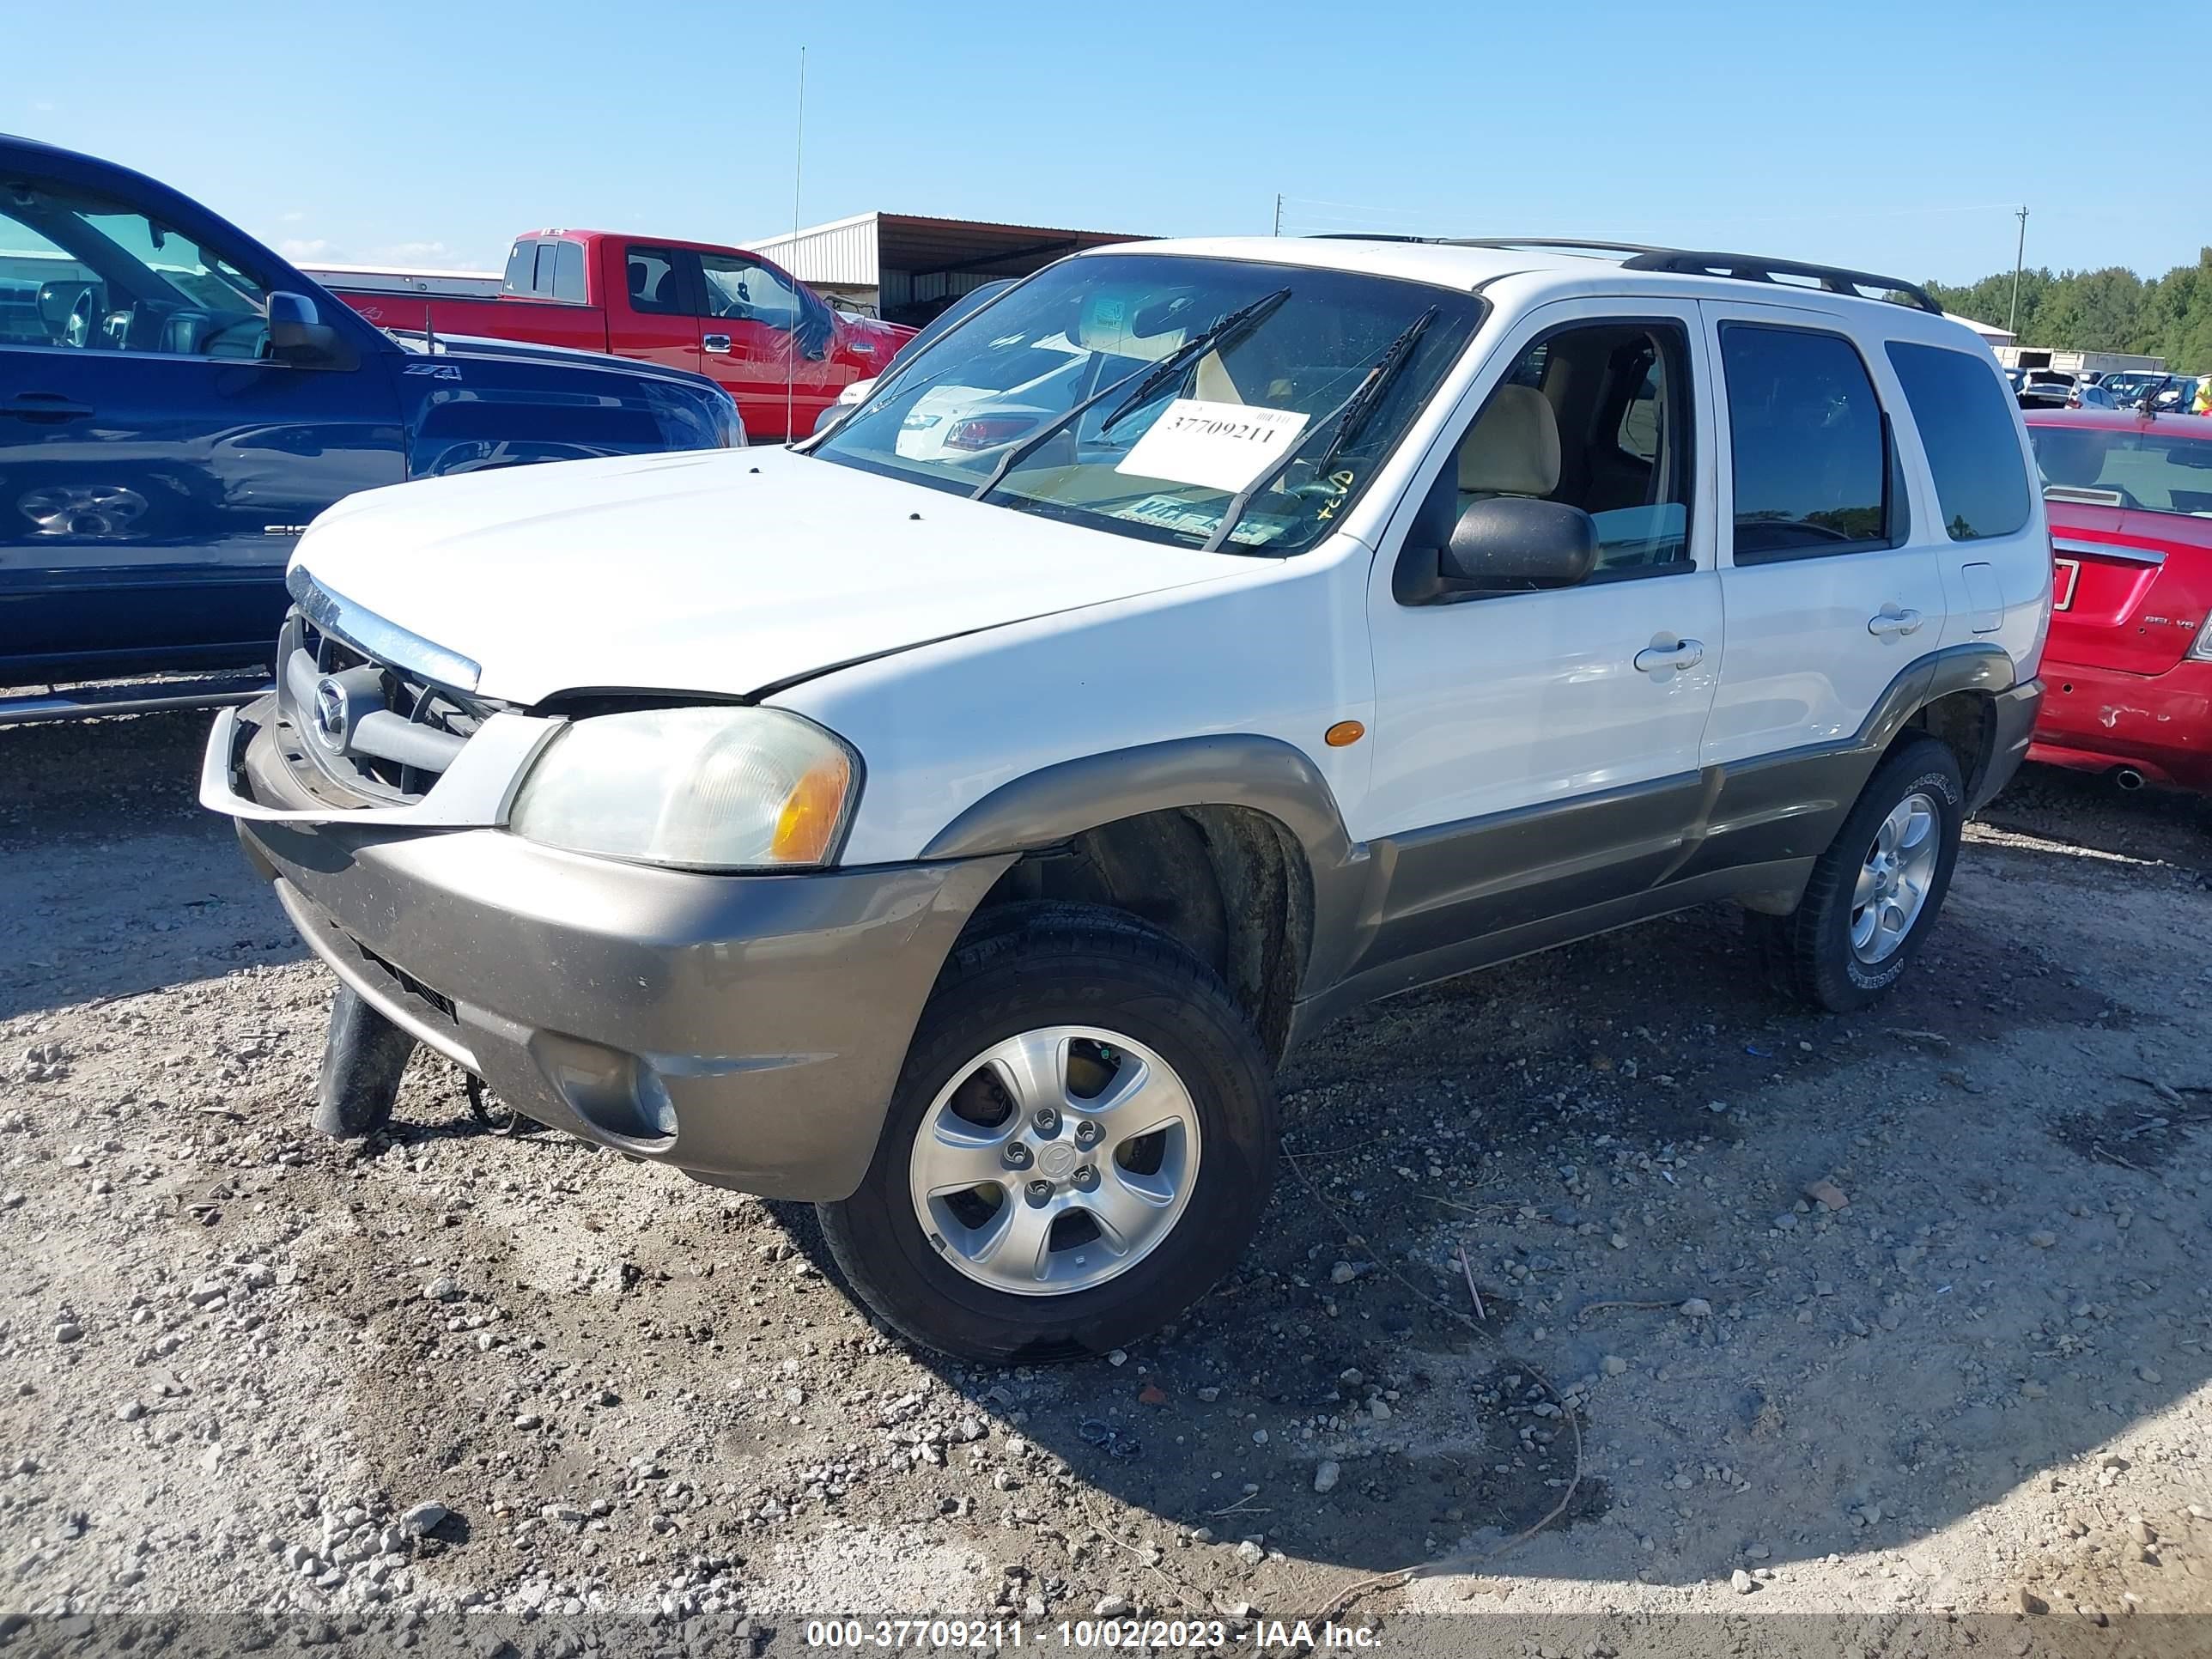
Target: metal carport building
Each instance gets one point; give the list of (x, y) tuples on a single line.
[(906, 267)]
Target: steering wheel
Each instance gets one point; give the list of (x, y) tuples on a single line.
[(77, 331)]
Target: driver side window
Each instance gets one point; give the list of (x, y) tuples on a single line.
[(1595, 417), (91, 273), (745, 291)]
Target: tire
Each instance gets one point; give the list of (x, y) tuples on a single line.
[(364, 1055), (1091, 993), (1811, 953)]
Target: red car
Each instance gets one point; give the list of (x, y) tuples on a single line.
[(2128, 671), (775, 344)]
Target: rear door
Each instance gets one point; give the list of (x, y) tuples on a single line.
[(654, 315), (1830, 581)]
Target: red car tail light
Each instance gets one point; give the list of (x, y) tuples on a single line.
[(989, 431)]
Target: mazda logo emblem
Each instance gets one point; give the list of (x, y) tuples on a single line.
[(331, 710)]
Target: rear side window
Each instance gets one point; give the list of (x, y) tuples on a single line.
[(1966, 423), (1812, 471), (653, 283), (546, 268), (569, 271)]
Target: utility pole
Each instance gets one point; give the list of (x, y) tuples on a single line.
[(1279, 213), (2019, 258)]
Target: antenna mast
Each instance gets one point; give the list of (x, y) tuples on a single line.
[(790, 343)]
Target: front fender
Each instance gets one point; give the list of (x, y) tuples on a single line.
[(1262, 774)]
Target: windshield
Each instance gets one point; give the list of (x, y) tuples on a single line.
[(2155, 468), (1000, 386)]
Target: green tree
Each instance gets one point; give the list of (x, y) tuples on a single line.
[(2108, 310)]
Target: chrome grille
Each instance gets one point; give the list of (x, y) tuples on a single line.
[(380, 732)]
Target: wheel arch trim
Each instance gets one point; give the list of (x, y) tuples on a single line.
[(1246, 770)]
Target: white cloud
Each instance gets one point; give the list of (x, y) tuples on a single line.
[(294, 216), (298, 248), (44, 107)]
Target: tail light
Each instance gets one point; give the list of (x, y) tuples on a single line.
[(989, 431)]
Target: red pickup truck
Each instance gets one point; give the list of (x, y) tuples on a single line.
[(773, 344)]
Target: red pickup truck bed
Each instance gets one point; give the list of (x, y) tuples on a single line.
[(775, 344)]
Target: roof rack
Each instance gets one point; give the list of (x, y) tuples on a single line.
[(1686, 262)]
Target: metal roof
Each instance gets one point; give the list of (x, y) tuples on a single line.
[(856, 251)]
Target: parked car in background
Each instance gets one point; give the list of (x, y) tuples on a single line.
[(2087, 394), (2127, 388), (959, 837), (776, 346), (858, 392), (2164, 394), (2044, 388), (2128, 671), (177, 403)]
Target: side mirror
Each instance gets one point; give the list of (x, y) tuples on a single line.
[(849, 399), (1505, 544), (299, 335)]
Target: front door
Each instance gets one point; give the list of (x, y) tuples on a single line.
[(156, 466), (1537, 753), (768, 343)]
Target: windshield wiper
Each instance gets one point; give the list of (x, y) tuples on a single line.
[(1232, 323), (1348, 417), (1225, 331)]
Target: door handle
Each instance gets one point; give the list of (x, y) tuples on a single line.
[(45, 406), (1891, 621), (717, 344), (1684, 653)]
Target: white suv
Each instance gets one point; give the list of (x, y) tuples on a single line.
[(958, 840)]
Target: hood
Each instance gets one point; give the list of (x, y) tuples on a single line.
[(725, 572)]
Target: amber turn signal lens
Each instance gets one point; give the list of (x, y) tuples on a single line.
[(809, 817), (1343, 732)]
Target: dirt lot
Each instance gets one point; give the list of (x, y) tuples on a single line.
[(1971, 1374)]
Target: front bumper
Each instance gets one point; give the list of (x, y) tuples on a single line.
[(773, 1010), (2159, 724)]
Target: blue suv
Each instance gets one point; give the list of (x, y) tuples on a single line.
[(177, 401)]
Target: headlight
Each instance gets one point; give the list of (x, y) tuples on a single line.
[(709, 789)]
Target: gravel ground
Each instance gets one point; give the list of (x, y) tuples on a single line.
[(1908, 1313)]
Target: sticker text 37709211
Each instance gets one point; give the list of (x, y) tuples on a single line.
[(1215, 445)]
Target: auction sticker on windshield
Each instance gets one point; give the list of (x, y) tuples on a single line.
[(1216, 445)]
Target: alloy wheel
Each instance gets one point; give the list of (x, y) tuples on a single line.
[(1895, 878), (1056, 1160)]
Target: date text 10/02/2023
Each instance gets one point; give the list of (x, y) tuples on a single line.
[(943, 1635)]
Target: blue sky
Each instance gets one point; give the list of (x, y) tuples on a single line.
[(1894, 137)]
